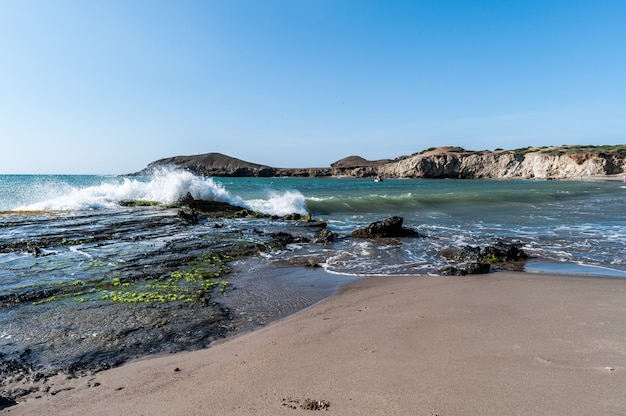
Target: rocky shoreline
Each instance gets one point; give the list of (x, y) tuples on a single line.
[(148, 319), (564, 162)]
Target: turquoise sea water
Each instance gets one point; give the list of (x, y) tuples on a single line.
[(569, 226)]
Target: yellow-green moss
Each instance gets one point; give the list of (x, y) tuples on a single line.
[(194, 282), (197, 281)]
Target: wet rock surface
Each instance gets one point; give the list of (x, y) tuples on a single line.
[(324, 236), (97, 289), (500, 251), (100, 288), (390, 227), (480, 260)]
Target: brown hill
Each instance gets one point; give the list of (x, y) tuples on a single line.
[(210, 164), (357, 162)]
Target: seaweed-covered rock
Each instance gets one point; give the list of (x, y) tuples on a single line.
[(292, 217), (499, 252), (390, 227), (478, 260)]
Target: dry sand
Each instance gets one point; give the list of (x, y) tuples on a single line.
[(498, 344)]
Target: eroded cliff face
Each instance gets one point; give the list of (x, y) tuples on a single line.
[(443, 162), (503, 165)]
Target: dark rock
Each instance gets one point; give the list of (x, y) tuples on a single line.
[(6, 402), (187, 200), (302, 261), (188, 217), (508, 251), (479, 260), (451, 271), (28, 296), (324, 236), (477, 268), (391, 227), (266, 172), (217, 209), (465, 269), (305, 172), (291, 217), (470, 253), (282, 239), (500, 252)]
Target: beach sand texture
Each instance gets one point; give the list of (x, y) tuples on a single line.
[(499, 344)]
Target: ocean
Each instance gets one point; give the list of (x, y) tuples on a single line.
[(68, 248)]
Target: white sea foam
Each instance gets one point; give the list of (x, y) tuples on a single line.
[(166, 186), (285, 203)]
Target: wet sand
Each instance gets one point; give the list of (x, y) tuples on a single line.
[(499, 344)]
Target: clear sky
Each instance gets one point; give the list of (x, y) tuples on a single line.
[(109, 86)]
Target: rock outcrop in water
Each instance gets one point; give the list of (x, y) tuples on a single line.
[(387, 228), (444, 162), (480, 260)]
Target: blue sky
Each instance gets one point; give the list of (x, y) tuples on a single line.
[(109, 86)]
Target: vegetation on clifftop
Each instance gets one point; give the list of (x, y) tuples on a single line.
[(617, 150)]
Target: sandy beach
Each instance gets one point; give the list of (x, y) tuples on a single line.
[(499, 344)]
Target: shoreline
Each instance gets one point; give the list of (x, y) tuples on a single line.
[(502, 343), (618, 177)]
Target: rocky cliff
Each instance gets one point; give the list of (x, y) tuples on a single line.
[(444, 162), (547, 163)]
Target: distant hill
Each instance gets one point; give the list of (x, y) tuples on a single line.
[(357, 161), (210, 164), (560, 162)]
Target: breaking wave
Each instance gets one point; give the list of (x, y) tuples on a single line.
[(166, 187)]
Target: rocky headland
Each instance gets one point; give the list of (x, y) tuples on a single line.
[(563, 162)]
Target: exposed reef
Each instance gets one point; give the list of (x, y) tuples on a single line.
[(163, 283)]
